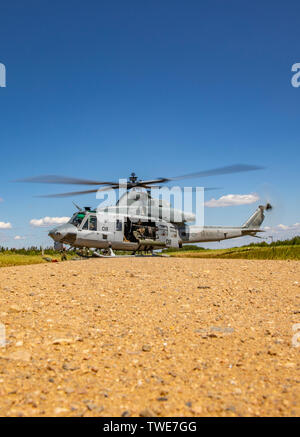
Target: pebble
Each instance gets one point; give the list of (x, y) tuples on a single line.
[(147, 413), (20, 355), (125, 414), (59, 410), (14, 309), (63, 341)]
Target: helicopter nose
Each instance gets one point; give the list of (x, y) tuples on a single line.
[(64, 234), (55, 234)]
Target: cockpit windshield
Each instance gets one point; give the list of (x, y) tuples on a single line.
[(77, 219)]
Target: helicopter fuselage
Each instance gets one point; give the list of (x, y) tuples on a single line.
[(101, 229)]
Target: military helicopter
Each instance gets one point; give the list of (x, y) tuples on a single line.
[(138, 222)]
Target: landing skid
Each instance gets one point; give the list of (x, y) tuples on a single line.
[(134, 255), (110, 254)]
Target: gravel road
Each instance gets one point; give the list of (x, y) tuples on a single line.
[(150, 337)]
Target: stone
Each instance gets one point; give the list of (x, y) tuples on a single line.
[(14, 309), (20, 355), (90, 406), (63, 341), (147, 412), (125, 414), (60, 410)]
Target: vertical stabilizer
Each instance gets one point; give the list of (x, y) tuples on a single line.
[(257, 217)]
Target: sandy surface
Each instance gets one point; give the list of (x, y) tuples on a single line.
[(161, 337)]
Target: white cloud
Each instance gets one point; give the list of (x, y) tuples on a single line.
[(5, 225), (232, 200), (284, 227), (49, 221), (18, 237), (281, 228)]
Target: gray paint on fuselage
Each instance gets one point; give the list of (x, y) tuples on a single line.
[(109, 234)]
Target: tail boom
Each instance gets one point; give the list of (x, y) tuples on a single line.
[(198, 234)]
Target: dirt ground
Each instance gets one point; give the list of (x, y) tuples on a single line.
[(150, 337)]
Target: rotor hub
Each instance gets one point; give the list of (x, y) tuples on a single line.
[(133, 178)]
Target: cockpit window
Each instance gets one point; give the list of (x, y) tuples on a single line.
[(77, 219)]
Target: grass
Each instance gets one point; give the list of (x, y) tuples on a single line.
[(16, 259), (277, 250), (246, 252)]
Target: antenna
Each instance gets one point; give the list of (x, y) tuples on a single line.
[(78, 207)]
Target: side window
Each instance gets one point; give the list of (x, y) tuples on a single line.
[(85, 226), (118, 225), (93, 223)]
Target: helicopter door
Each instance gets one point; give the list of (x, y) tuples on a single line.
[(118, 229), (89, 234), (83, 231), (173, 240), (162, 233)]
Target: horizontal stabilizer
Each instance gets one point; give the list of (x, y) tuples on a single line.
[(250, 231)]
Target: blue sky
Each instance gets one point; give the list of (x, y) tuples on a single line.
[(99, 89)]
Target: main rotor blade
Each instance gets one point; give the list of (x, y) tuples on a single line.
[(114, 187), (150, 182), (71, 193), (237, 168), (76, 193), (54, 179), (158, 186)]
